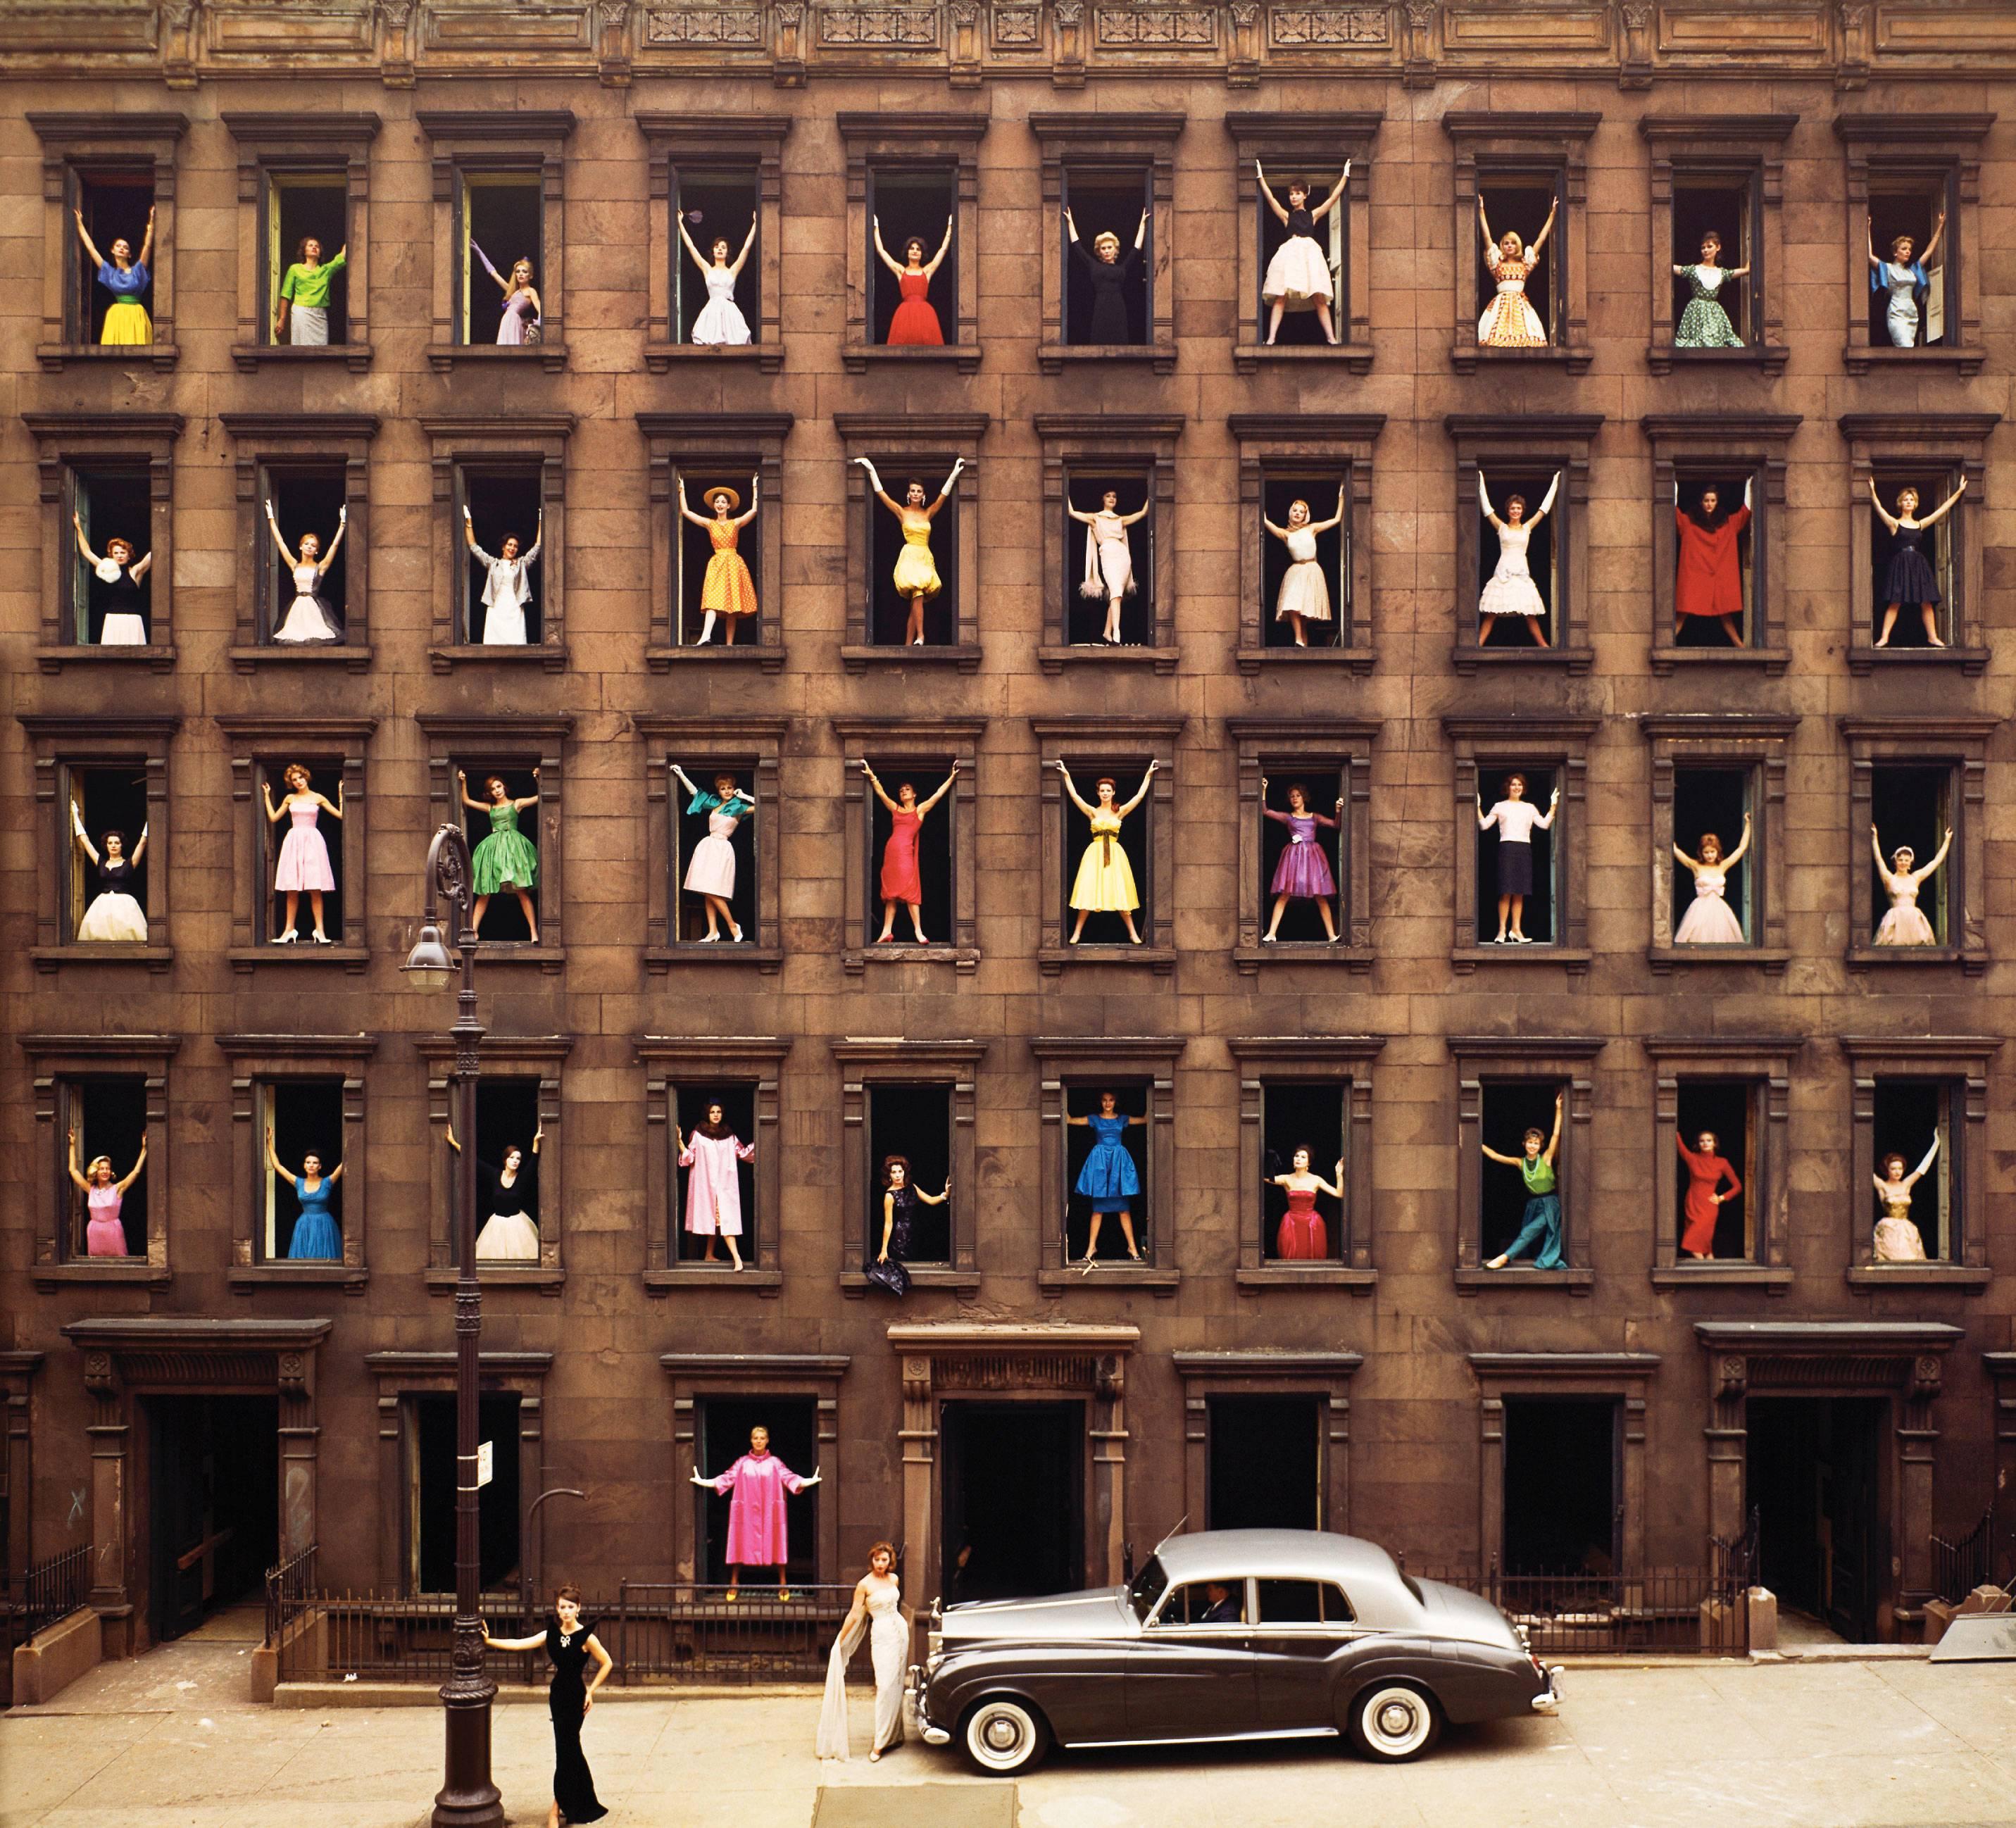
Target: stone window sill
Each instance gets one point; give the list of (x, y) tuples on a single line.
[(1469, 958), (964, 1284), (1770, 357), (1859, 357), (53, 660), (1351, 660), (302, 654), (1052, 959), (1353, 358), (659, 358), (693, 1277), (249, 357), (444, 356), (441, 1280), (963, 959), (1772, 661), (246, 1277), (1574, 1281), (1251, 958), (130, 1273), (1773, 1279), (1864, 658), (84, 953), (55, 356), (1052, 357), (765, 958), (767, 655), (1772, 958), (1467, 656), (1968, 1278), (858, 657), (552, 655), (1108, 1273), (1309, 1276), (1467, 356), (858, 358), (1864, 958), (301, 952), (1054, 658)]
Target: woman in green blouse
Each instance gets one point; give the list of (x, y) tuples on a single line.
[(1542, 1225), (303, 318)]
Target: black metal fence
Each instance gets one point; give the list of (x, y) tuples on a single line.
[(1959, 1565), (39, 1597)]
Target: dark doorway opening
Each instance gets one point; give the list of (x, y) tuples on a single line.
[(1014, 1497), (1914, 211), (914, 1122), (1086, 590), (738, 1116), (716, 203), (306, 499), (888, 610), (1722, 1106), (310, 205), (503, 503), (1561, 1512), (1265, 1462), (115, 502), (114, 204), (496, 1503), (214, 1466), (1539, 923), (1519, 204), (937, 915), (500, 216), (1100, 203), (1723, 210), (1913, 806), (503, 919), (1300, 1113), (1816, 1478), (913, 203), (722, 1439)]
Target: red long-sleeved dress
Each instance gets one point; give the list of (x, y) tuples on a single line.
[(1705, 1173)]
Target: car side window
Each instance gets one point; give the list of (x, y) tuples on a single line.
[(1303, 1602), (1205, 1603)]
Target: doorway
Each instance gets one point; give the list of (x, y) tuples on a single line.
[(434, 1492), (1014, 1496), (1264, 1462), (214, 1465), (1561, 1512), (1814, 1475)]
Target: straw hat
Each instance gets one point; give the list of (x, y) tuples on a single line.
[(734, 498)]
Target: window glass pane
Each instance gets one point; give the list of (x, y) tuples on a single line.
[(1302, 1603)]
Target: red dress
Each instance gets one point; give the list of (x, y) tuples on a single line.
[(915, 321), (1704, 1174), (900, 881), (1302, 1233), (1710, 582)]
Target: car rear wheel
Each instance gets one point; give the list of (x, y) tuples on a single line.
[(1393, 1722), (1005, 1736)]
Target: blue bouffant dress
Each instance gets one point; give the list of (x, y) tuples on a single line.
[(315, 1235), (1108, 1177)]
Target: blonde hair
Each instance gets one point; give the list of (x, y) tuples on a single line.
[(96, 1163)]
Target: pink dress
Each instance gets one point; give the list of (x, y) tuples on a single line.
[(103, 1235), (304, 857), (714, 1189), (756, 1512)]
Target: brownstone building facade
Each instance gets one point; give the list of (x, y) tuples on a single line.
[(1016, 1420)]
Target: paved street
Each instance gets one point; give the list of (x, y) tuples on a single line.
[(170, 1742)]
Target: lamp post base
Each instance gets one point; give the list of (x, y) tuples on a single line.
[(468, 1799)]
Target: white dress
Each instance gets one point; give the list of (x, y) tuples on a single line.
[(720, 319), (1511, 591), (1298, 275), (307, 620), (711, 872), (1710, 921), (1109, 563), (1905, 925), (1901, 318), (888, 1641), (1305, 592), (507, 588)]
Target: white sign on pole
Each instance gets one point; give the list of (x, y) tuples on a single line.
[(485, 1464)]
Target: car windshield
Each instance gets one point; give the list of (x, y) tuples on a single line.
[(1147, 1587)]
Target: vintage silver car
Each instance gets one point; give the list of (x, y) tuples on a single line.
[(1228, 1635)]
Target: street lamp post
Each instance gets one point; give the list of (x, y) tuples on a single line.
[(467, 1798)]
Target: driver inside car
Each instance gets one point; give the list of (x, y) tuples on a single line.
[(1226, 1607)]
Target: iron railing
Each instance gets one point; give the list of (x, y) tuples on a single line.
[(1958, 1567), (37, 1597)]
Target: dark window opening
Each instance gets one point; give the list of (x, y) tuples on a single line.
[(106, 800), (1540, 898), (1013, 1487), (913, 203), (914, 1122), (503, 501), (737, 1100), (1320, 490), (502, 218), (1814, 1476), (1090, 571), (1302, 1603), (276, 866), (1722, 1107), (1722, 208), (306, 499), (496, 1503), (1903, 583), (1300, 326), (1561, 1512), (691, 831), (1503, 615), (934, 850), (720, 1439), (1104, 1189), (115, 201), (693, 552), (1908, 1114), (1301, 1114), (214, 1501), (1912, 807), (1265, 1462), (1708, 631), (1108, 202), (888, 608), (503, 919), (307, 1119), (1912, 207), (1510, 1108), (109, 1116), (302, 207), (1085, 855), (1301, 923), (1705, 801), (507, 1117), (716, 203), (111, 502), (1518, 203)]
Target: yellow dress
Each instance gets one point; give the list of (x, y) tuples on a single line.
[(127, 323), (917, 573), (1105, 883), (727, 589)]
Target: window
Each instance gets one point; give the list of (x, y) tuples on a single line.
[(683, 1078), (1302, 1120), (107, 1113), (1330, 761), (915, 203), (1108, 595), (722, 1425), (1086, 567), (116, 202), (743, 752), (1517, 891), (1912, 809), (305, 1117), (1115, 173), (1903, 562), (1918, 782), (114, 510), (108, 893), (1303, 1602), (1203, 1603), (430, 1459), (915, 1100), (1514, 1112), (1711, 814), (525, 757), (1737, 1090), (1266, 1461), (718, 203), (1108, 1215), (717, 1190), (308, 212), (293, 847), (502, 501)]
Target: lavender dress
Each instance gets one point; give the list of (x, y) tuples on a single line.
[(1303, 870), (517, 314)]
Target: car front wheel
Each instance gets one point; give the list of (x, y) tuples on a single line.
[(1393, 1722), (1005, 1736)]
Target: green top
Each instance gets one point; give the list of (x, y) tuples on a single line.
[(1539, 1173), (308, 286)]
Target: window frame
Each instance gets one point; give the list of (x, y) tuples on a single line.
[(863, 1065), (1552, 1059), (65, 443), (1325, 1375), (279, 145), (55, 1061)]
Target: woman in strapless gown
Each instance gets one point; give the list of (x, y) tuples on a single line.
[(303, 865), (915, 323), (721, 324), (878, 1611), (1906, 924), (1104, 883), (306, 619), (916, 574), (522, 309), (104, 1232), (1709, 921), (1302, 1234), (1898, 1239), (1304, 596), (1910, 578)]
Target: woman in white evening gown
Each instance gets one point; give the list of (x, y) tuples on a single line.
[(307, 619), (877, 1609)]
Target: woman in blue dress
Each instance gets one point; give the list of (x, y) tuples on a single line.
[(1109, 1178), (315, 1238)]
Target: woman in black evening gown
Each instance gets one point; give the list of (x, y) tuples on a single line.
[(570, 1642), (1910, 578), (1109, 273)]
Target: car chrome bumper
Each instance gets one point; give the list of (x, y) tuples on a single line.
[(913, 1696), (1549, 1700)]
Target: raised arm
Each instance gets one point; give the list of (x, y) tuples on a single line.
[(1267, 193), (755, 487), (1141, 792), (1882, 514), (874, 482), (333, 808), (1077, 513), (1484, 229), (530, 799), (1141, 232), (140, 849), (945, 787), (503, 284), (1071, 228), (1547, 500), (881, 252), (342, 527), (139, 1162), (1876, 851), (1484, 500), (147, 240), (273, 1160), (1139, 513), (1546, 229), (1692, 863), (1546, 821), (679, 775), (686, 513), (538, 538), (937, 1198), (1869, 225), (1486, 820), (1912, 1180), (1070, 787), (1336, 520), (951, 483), (83, 544), (286, 557), (83, 837), (1503, 1161), (84, 235), (461, 787), (1554, 1141), (76, 1174), (877, 785), (679, 220), (273, 814), (1945, 507), (748, 242), (938, 260), (1939, 857), (1742, 847), (1329, 202), (1924, 259)]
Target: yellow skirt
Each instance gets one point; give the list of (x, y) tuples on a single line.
[(917, 575), (1105, 883), (127, 322), (728, 588)]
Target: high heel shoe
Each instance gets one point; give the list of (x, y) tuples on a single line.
[(321, 939), (286, 939)]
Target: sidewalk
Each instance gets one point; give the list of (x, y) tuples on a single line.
[(170, 1742)]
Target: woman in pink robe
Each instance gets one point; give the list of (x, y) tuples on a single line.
[(714, 1188), (756, 1532)]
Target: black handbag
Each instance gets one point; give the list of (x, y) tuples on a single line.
[(891, 1276)]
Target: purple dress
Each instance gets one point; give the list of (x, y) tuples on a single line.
[(517, 314), (303, 862), (1303, 870)]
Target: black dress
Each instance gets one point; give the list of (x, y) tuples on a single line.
[(1909, 579), (1301, 222), (892, 1274), (1109, 281), (574, 1783)]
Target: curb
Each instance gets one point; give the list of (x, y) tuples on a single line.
[(409, 1694)]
